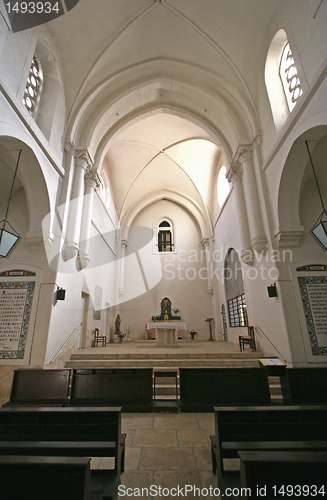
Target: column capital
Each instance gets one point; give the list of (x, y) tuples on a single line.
[(205, 242), (124, 243), (92, 179), (235, 172), (83, 158), (243, 153)]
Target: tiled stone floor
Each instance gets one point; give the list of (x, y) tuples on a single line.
[(167, 450)]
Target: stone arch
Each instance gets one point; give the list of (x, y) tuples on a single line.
[(32, 179), (296, 168), (179, 87), (201, 219)]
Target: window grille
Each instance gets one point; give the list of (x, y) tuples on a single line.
[(165, 240), (33, 86), (236, 301), (289, 77)]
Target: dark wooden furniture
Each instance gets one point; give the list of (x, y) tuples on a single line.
[(36, 387), (99, 339), (46, 478), (305, 386), (247, 339), (130, 388), (283, 474), (66, 432), (288, 428), (203, 388)]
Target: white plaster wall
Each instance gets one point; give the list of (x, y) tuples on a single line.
[(181, 275), (264, 313)]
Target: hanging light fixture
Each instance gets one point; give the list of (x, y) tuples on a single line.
[(8, 235), (319, 230)]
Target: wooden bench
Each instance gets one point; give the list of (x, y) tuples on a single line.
[(288, 428), (305, 386), (51, 478), (130, 388), (63, 432), (283, 474), (47, 478), (203, 388), (36, 387)]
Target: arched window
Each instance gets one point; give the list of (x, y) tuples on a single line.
[(33, 86), (165, 237), (281, 78), (223, 186), (289, 76), (233, 276)]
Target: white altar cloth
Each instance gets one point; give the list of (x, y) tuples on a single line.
[(166, 331)]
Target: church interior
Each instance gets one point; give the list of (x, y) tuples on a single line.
[(162, 195)]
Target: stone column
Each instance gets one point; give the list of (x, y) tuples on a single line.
[(123, 246), (91, 182), (234, 175), (206, 243), (244, 156), (82, 164)]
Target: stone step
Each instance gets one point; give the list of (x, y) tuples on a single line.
[(161, 363), (173, 355)]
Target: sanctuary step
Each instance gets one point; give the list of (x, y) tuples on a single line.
[(138, 355)]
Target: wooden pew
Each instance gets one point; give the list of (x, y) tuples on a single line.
[(36, 387), (52, 478), (203, 388), (283, 474), (305, 386), (48, 478), (63, 432), (288, 428), (130, 388)]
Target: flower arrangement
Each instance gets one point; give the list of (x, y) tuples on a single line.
[(176, 310), (121, 336), (192, 333)]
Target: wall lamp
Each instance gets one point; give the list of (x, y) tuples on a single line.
[(272, 290), (319, 230)]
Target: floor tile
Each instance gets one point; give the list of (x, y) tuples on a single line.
[(136, 421), (132, 458), (175, 421), (193, 438), (203, 458), (157, 438), (206, 420), (167, 459), (179, 483), (135, 484)]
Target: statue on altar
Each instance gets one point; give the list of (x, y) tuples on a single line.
[(117, 325)]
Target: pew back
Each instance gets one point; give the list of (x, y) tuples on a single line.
[(305, 386), (267, 428), (280, 474), (36, 387), (130, 388), (62, 432), (203, 388), (47, 478)]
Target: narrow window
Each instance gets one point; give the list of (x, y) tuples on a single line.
[(165, 240), (33, 86), (289, 77), (237, 307)]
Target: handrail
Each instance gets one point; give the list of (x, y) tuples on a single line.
[(63, 345), (272, 345)]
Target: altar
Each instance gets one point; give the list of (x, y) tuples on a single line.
[(166, 332)]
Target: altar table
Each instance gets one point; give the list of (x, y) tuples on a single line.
[(166, 331)]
